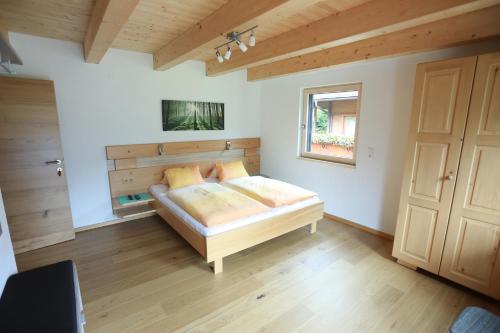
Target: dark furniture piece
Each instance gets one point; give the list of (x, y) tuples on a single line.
[(45, 299)]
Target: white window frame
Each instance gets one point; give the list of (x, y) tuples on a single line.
[(304, 122)]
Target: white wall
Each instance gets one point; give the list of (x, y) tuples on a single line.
[(369, 193), (7, 260), (119, 102)]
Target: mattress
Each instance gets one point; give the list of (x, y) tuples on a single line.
[(159, 192)]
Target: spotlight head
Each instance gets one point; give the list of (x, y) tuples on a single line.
[(228, 53), (220, 59), (252, 40), (242, 46)]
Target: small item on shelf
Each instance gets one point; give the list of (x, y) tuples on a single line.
[(130, 199)]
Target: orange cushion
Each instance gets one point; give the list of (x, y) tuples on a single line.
[(180, 177), (230, 170)]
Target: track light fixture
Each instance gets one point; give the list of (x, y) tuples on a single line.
[(228, 53), (235, 37), (242, 46), (252, 40), (220, 59)]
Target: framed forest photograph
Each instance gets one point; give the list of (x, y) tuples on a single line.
[(192, 116)]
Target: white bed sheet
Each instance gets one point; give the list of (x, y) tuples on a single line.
[(159, 192)]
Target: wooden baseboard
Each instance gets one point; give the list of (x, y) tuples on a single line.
[(108, 223), (358, 226), (42, 241)]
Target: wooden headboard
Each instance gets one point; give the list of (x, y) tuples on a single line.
[(133, 168)]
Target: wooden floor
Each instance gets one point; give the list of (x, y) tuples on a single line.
[(141, 277)]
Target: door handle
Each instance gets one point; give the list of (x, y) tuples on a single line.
[(450, 176), (57, 162)]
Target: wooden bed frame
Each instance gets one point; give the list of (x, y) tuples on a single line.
[(133, 168), (215, 248)]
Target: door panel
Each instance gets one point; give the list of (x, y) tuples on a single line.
[(35, 196), (419, 221), (441, 101), (438, 100), (490, 115), (428, 170), (484, 180), (471, 254), (473, 262)]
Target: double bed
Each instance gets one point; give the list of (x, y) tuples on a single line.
[(217, 241), (139, 168)]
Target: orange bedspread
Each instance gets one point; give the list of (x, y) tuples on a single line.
[(212, 204), (271, 192)]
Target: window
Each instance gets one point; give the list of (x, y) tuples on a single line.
[(330, 118)]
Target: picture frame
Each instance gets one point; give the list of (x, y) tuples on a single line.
[(192, 116)]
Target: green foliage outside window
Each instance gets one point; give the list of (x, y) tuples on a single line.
[(321, 121), (331, 139)]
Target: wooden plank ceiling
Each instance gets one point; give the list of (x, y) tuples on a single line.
[(289, 30)]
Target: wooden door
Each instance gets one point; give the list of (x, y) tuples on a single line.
[(35, 196), (471, 255), (441, 101)]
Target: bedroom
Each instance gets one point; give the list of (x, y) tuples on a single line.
[(112, 69)]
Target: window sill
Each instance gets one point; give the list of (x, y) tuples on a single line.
[(352, 166)]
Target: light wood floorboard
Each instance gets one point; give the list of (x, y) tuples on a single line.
[(140, 276)]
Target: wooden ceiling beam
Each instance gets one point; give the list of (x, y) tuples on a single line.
[(229, 16), (448, 32), (107, 20), (364, 21)]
